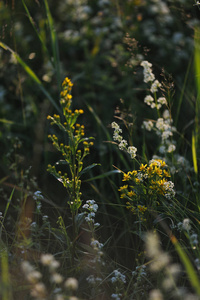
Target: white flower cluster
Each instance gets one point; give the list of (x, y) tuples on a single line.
[(169, 188), (38, 290), (93, 279), (123, 144), (163, 126), (118, 277), (148, 75), (148, 125), (159, 258), (97, 246), (149, 100), (154, 87), (91, 208), (116, 296), (117, 130)]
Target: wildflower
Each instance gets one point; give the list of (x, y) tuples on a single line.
[(154, 87), (56, 278), (148, 75), (46, 259), (34, 276), (114, 125), (155, 295), (171, 148), (27, 267), (123, 144), (148, 125), (166, 114), (92, 207), (71, 283), (162, 101), (142, 209), (96, 244), (126, 177), (39, 291), (124, 187), (194, 240), (160, 124), (131, 194), (38, 195), (116, 296), (132, 151), (118, 277), (149, 100)]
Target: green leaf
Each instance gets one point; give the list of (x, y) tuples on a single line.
[(88, 168), (103, 175)]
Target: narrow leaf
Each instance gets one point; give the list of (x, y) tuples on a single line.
[(103, 175), (194, 153), (88, 168)]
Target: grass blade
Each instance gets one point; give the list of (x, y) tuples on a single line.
[(36, 31), (31, 73), (191, 272), (194, 154), (54, 43)]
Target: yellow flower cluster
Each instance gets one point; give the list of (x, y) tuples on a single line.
[(72, 155), (145, 186)]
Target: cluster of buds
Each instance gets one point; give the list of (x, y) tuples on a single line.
[(76, 149)]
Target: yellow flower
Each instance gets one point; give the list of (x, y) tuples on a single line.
[(123, 196), (126, 177), (124, 187), (131, 194), (142, 209), (158, 171), (133, 173), (166, 173), (143, 167)]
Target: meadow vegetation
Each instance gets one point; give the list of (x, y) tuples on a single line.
[(100, 136)]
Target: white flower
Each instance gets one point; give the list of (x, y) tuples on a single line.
[(154, 87), (39, 291), (171, 148), (96, 244), (148, 75), (186, 224), (162, 101), (115, 125), (149, 100), (155, 295), (132, 151), (160, 124), (123, 144), (34, 276), (27, 267), (118, 276), (46, 259), (166, 134), (71, 284), (56, 278), (148, 125), (166, 114), (162, 149)]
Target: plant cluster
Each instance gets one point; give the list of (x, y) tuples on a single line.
[(139, 238)]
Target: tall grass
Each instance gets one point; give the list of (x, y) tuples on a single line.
[(90, 234)]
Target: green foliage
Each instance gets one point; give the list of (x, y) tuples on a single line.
[(115, 52)]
